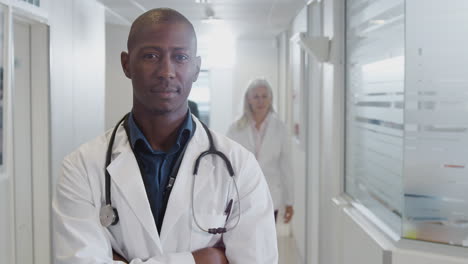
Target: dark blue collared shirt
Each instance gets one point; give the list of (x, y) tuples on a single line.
[(155, 165)]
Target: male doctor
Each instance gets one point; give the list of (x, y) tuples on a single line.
[(158, 133)]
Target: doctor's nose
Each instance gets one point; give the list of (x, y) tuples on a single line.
[(166, 69)]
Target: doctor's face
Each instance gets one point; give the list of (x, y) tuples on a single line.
[(162, 64), (259, 100)]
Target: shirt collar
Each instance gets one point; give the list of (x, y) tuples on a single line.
[(186, 131)]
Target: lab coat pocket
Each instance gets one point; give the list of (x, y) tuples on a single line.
[(202, 239)]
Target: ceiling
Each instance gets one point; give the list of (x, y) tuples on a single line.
[(244, 18)]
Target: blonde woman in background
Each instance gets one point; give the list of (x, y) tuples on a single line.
[(265, 135)]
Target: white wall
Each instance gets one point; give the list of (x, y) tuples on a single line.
[(255, 58), (77, 65), (222, 88), (283, 58), (118, 87), (77, 70)]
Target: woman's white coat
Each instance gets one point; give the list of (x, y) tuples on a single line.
[(274, 156)]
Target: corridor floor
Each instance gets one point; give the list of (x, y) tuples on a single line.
[(287, 250)]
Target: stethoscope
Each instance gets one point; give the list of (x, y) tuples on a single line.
[(108, 214)]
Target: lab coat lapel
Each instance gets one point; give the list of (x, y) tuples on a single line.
[(250, 138), (267, 138), (126, 176), (180, 200)]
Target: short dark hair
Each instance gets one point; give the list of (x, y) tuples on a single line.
[(158, 16)]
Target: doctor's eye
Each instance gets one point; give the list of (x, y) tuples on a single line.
[(150, 56), (181, 58)]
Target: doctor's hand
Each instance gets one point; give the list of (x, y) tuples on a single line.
[(288, 213), (210, 256)]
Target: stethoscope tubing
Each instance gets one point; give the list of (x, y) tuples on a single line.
[(228, 210), (109, 215), (108, 160)]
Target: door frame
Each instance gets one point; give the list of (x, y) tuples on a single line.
[(40, 128)]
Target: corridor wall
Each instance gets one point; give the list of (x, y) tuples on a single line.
[(74, 31), (347, 234), (77, 76), (118, 87)]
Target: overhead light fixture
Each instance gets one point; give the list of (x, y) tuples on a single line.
[(202, 1)]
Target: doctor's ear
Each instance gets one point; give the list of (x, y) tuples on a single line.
[(197, 68), (124, 60)]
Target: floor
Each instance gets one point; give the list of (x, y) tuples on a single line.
[(287, 250)]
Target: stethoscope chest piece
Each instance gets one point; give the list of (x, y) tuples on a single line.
[(108, 216)]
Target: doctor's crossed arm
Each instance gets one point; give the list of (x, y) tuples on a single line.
[(210, 255), (117, 257), (206, 255)]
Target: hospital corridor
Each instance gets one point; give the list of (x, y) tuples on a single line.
[(234, 131)]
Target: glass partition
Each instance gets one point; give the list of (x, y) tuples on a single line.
[(33, 2), (374, 106), (436, 123), (406, 115)]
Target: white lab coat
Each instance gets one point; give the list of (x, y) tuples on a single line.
[(274, 157), (79, 237)]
